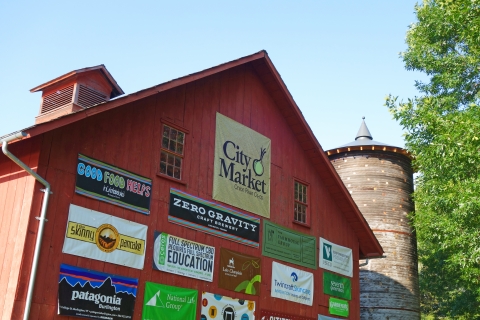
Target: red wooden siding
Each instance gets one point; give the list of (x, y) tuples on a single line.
[(129, 137)]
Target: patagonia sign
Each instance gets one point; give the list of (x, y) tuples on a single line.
[(95, 295), (218, 307), (195, 213), (337, 286), (95, 235), (162, 302), (274, 315), (183, 257), (241, 175), (288, 245), (239, 272), (336, 258), (98, 180)]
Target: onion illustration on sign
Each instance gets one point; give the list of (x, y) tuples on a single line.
[(257, 163)]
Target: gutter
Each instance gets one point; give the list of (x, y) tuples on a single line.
[(43, 213)]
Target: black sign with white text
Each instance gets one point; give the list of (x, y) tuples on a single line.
[(209, 217), (98, 180)]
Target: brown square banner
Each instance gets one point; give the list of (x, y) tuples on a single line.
[(239, 272)]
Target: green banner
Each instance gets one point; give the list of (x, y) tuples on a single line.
[(337, 286), (162, 302), (338, 307), (288, 245)]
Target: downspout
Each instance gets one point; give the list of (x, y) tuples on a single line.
[(43, 213)]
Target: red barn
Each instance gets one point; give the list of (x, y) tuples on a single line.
[(160, 150)]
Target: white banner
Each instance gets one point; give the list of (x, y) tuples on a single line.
[(292, 284), (336, 258), (95, 235), (218, 307), (184, 257)]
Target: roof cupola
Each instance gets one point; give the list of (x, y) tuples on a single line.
[(74, 91)]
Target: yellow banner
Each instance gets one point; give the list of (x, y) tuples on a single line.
[(242, 167)]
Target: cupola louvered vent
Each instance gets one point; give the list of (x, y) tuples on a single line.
[(88, 97), (57, 99)]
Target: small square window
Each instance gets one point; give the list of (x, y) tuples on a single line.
[(171, 155), (301, 203)]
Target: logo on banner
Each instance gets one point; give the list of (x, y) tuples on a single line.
[(242, 167), (155, 301), (106, 237), (294, 277), (327, 252)]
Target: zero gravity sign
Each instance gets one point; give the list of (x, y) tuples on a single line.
[(98, 180), (195, 213)]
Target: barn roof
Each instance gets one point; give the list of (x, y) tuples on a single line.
[(263, 66)]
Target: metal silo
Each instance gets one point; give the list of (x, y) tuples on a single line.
[(380, 180)]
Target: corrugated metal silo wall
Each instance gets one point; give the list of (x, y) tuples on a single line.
[(381, 184)]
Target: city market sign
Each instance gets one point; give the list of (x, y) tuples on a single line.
[(241, 175)]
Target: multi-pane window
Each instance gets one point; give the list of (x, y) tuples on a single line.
[(171, 156), (300, 209)]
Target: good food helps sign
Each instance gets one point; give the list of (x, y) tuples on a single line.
[(98, 180), (242, 167)]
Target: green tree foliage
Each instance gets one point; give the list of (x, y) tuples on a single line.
[(443, 135)]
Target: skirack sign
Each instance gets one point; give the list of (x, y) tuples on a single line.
[(242, 167), (95, 295), (195, 213), (183, 257), (98, 180)]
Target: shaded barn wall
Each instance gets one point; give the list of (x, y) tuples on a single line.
[(17, 188), (129, 137)]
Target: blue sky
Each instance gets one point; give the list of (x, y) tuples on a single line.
[(339, 59)]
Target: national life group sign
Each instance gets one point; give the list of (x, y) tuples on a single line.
[(292, 284), (336, 258), (96, 235), (183, 257), (104, 182), (162, 302), (241, 176), (95, 295)]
